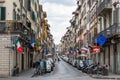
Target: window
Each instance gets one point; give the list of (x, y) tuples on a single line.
[(35, 6), (29, 24), (100, 20), (23, 3), (29, 5), (110, 18), (33, 16), (18, 17), (105, 23), (2, 13), (14, 14), (33, 1)]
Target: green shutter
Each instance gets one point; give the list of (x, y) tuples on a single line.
[(18, 17), (29, 5), (29, 24), (14, 14), (2, 13), (33, 16)]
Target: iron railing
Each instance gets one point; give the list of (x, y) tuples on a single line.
[(109, 32), (14, 27), (104, 6)]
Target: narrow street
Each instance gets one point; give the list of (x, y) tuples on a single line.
[(62, 71), (83, 33)]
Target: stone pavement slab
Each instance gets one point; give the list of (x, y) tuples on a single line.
[(109, 77)]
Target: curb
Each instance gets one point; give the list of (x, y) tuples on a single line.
[(103, 77)]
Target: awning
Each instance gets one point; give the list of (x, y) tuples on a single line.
[(95, 49), (82, 55)]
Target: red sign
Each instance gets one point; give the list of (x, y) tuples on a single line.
[(95, 49)]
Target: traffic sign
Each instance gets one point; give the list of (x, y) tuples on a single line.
[(101, 39)]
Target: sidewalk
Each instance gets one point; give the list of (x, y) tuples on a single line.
[(27, 73), (110, 76)]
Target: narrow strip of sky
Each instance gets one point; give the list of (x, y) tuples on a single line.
[(59, 12)]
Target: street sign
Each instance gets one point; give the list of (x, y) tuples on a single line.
[(96, 49), (101, 40)]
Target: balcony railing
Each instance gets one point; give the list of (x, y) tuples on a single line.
[(104, 6), (109, 32), (14, 27), (2, 1)]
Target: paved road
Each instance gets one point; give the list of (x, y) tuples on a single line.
[(62, 71)]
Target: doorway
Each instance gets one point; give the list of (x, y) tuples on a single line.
[(115, 58), (22, 62), (31, 60)]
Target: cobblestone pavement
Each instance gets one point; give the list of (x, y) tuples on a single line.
[(62, 71)]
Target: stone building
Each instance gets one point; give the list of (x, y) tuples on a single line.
[(19, 19), (95, 17)]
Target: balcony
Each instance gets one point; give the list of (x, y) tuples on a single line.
[(14, 27), (109, 32), (2, 1), (105, 6)]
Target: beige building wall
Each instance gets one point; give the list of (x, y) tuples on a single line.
[(102, 58), (33, 25), (6, 56), (9, 8), (118, 48), (19, 61), (111, 58), (106, 55)]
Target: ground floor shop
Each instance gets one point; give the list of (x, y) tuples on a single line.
[(109, 55), (10, 58)]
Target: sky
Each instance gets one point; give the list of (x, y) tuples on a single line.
[(59, 13)]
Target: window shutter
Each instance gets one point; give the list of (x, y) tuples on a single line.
[(14, 14), (18, 17), (29, 5), (3, 13)]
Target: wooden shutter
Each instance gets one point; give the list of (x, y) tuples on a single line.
[(2, 13)]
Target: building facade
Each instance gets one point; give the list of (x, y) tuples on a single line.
[(19, 20), (95, 17)]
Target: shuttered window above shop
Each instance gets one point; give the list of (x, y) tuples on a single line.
[(18, 17), (14, 14), (29, 5), (2, 13), (33, 16)]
